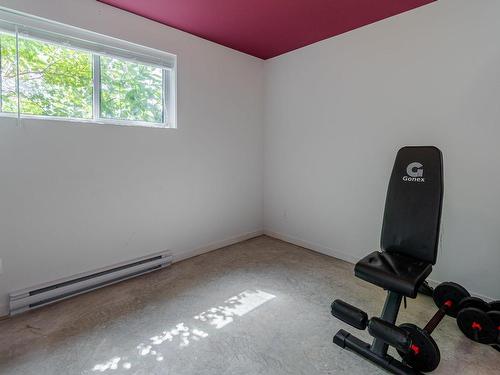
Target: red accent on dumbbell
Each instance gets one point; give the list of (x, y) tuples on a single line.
[(476, 325), (448, 304), (415, 349)]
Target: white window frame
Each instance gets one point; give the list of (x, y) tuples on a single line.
[(98, 45)]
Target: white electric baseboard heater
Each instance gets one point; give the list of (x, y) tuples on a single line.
[(41, 295)]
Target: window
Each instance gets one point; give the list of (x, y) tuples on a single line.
[(61, 72)]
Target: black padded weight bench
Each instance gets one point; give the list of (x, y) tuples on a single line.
[(409, 243)]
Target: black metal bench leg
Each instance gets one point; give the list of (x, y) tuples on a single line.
[(389, 314)]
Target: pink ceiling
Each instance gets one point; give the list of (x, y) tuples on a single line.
[(266, 28)]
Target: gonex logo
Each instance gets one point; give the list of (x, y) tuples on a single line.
[(415, 172)]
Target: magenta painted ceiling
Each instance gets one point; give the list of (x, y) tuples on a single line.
[(266, 28)]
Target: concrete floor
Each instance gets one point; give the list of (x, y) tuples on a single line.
[(258, 307)]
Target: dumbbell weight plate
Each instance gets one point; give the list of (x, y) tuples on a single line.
[(495, 318), (495, 306), (477, 326), (449, 291), (475, 302), (427, 357)]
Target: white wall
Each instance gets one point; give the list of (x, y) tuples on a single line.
[(75, 197), (337, 111)]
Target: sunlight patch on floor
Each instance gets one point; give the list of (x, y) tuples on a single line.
[(183, 334), (112, 364), (238, 305)]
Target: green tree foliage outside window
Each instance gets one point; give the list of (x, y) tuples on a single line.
[(57, 81), (131, 91), (53, 80)]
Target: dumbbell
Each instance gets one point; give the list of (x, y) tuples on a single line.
[(480, 321), (424, 353), (494, 315), (494, 306)]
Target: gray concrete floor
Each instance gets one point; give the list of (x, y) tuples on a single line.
[(258, 307)]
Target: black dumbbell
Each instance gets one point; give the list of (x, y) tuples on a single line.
[(495, 306), (495, 318), (494, 315), (477, 325), (475, 302), (480, 321), (449, 296), (423, 353)]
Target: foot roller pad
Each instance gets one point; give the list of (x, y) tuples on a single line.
[(390, 334), (349, 314)]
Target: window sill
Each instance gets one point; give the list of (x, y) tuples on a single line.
[(105, 122)]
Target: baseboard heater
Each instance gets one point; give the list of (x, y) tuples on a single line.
[(41, 295)]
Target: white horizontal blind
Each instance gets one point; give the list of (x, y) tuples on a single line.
[(53, 32), (7, 27)]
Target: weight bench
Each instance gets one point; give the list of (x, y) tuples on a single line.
[(409, 243)]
